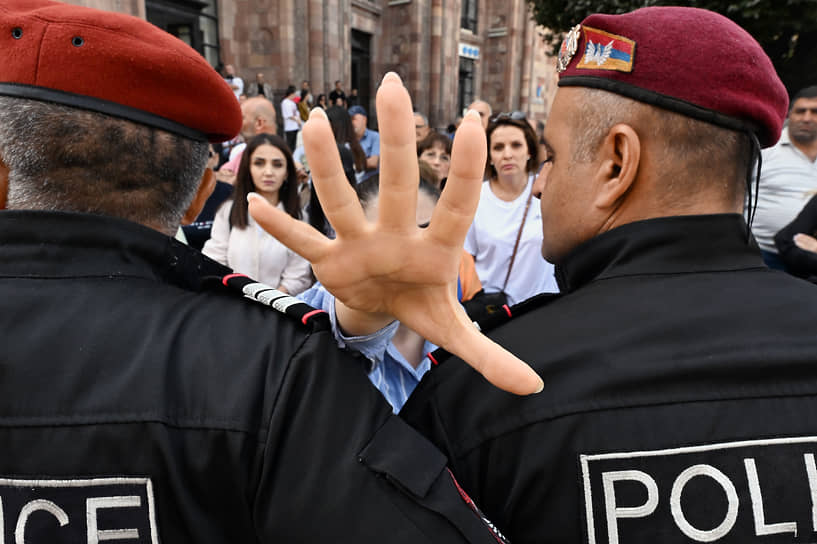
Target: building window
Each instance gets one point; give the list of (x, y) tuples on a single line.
[(466, 83), (469, 15), (195, 22)]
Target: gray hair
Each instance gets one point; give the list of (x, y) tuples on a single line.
[(421, 116), (66, 159), (696, 152)]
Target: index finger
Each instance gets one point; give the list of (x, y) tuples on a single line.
[(336, 195), (455, 210)]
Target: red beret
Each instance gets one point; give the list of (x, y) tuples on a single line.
[(688, 60), (114, 64)]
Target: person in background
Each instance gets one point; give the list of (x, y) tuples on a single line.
[(291, 116), (506, 235), (235, 82), (797, 243), (258, 116), (353, 98), (337, 97), (435, 150), (421, 126), (266, 169), (304, 105), (260, 87), (369, 141), (484, 110), (321, 101), (789, 174)]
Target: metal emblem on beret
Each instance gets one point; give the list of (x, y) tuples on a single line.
[(568, 48)]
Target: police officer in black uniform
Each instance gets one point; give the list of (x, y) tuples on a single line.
[(143, 396), (680, 376), (680, 400)]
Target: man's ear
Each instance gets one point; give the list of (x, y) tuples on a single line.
[(4, 184), (206, 186), (621, 156)]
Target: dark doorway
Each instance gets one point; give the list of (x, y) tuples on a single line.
[(466, 84), (178, 17), (362, 72)]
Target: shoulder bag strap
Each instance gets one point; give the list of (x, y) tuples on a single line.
[(518, 237)]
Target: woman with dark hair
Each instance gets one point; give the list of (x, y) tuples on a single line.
[(435, 150), (321, 101), (506, 235), (237, 241), (351, 156)]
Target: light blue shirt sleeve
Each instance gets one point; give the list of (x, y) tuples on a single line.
[(373, 346), (389, 371)]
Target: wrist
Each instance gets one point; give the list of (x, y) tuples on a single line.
[(359, 323)]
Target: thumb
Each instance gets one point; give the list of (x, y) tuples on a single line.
[(456, 333), (495, 363)]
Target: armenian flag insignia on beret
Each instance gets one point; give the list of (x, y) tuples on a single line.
[(605, 51), (689, 60), (113, 64)]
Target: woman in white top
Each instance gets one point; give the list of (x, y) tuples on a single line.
[(506, 206), (236, 239)]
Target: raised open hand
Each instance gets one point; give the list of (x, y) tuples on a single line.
[(391, 268)]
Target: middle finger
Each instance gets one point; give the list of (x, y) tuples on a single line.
[(399, 169)]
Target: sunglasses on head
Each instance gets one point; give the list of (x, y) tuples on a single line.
[(513, 116)]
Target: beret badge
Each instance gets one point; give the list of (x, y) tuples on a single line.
[(569, 46)]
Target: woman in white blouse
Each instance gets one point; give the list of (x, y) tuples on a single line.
[(236, 239), (507, 210)]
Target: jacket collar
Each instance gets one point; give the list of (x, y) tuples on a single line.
[(61, 244), (666, 245)]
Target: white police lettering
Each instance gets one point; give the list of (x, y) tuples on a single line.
[(614, 511), (31, 507), (811, 471), (96, 503), (753, 490), (695, 533), (761, 528), (82, 510)]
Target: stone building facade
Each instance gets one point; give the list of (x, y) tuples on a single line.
[(448, 52)]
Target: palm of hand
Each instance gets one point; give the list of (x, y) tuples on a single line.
[(392, 268)]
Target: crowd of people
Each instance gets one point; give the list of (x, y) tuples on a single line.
[(343, 358)]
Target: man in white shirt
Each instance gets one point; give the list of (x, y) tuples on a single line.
[(235, 82), (292, 118), (789, 174)]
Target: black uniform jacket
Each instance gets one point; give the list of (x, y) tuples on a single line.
[(143, 401), (680, 400)]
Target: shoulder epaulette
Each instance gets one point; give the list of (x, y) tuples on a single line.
[(281, 302), (494, 320)]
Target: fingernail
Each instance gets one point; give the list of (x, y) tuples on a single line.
[(474, 114), (254, 196), (391, 76), (541, 387), (317, 112)]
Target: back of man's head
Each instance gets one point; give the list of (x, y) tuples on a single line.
[(259, 116), (97, 134), (636, 132)]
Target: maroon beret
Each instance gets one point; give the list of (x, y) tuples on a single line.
[(114, 64), (687, 60)]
